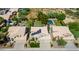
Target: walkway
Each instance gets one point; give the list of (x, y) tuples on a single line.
[(45, 42), (19, 44), (18, 32)]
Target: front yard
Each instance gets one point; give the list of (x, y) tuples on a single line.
[(32, 43)]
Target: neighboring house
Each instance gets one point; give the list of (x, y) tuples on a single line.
[(43, 36), (63, 31)]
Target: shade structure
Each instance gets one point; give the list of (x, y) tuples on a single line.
[(50, 22)]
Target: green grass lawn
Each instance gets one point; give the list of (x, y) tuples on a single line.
[(75, 33), (74, 28), (38, 24)]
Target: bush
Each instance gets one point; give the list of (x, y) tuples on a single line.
[(4, 29), (29, 23), (1, 35), (23, 12), (61, 42), (61, 16), (52, 15), (34, 45)]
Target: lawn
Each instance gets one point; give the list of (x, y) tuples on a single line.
[(75, 33), (38, 24), (74, 28)]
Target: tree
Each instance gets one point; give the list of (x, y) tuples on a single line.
[(1, 35), (61, 16), (29, 23), (42, 17), (52, 15), (23, 12), (1, 20)]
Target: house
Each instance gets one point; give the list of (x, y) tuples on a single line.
[(62, 31), (43, 36)]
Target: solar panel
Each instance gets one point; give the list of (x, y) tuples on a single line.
[(37, 32)]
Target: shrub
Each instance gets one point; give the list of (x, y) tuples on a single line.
[(23, 12), (34, 45), (61, 42), (52, 15), (4, 29), (1, 35)]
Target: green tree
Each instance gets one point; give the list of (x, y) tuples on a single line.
[(1, 20), (61, 16), (42, 17), (29, 23), (23, 12), (52, 15), (1, 35)]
